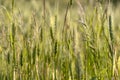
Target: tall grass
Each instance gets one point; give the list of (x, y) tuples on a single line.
[(51, 41)]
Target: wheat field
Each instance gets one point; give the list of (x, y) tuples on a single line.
[(59, 40)]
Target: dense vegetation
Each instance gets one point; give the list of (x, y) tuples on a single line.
[(59, 40)]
